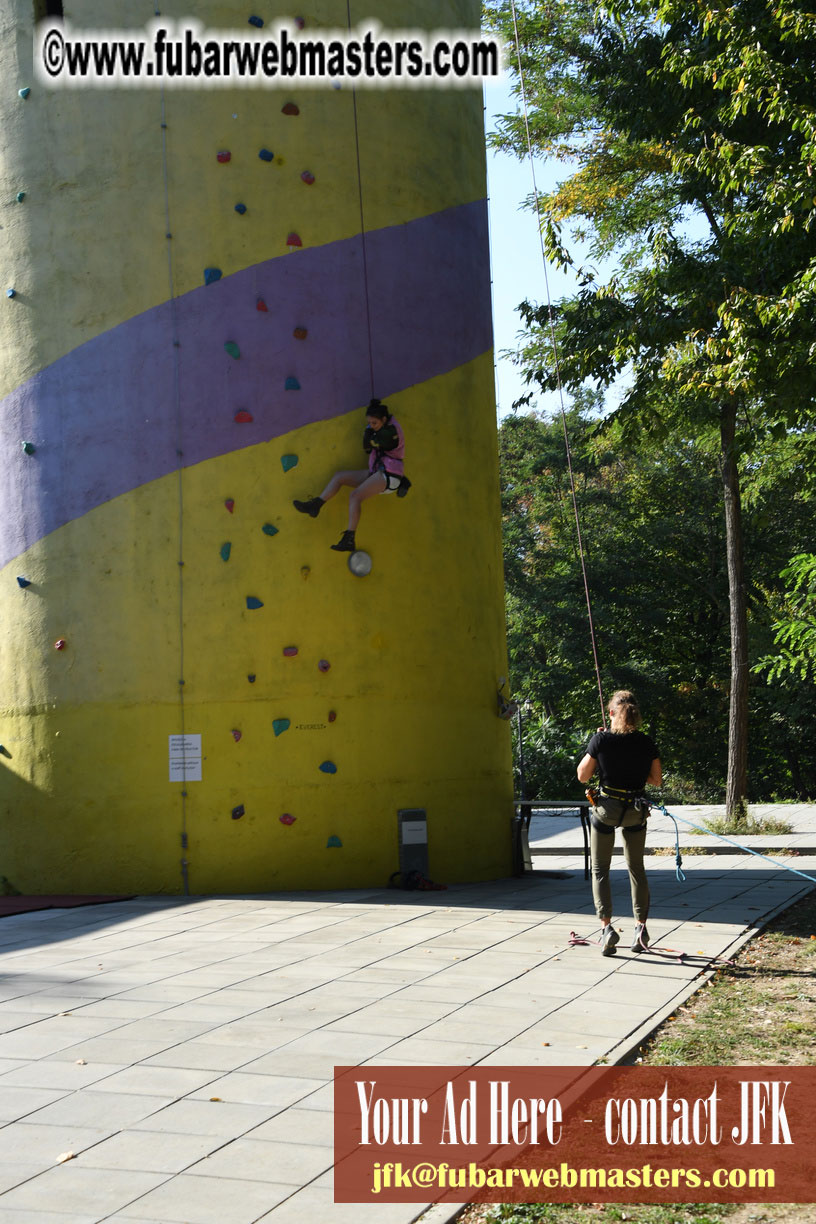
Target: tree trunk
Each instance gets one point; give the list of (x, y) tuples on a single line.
[(737, 779)]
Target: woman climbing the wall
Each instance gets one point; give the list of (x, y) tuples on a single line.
[(626, 760), (384, 443)]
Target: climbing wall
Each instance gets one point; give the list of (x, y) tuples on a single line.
[(194, 303)]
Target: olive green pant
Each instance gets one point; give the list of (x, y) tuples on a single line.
[(605, 819)]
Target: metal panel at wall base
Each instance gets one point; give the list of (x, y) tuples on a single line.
[(412, 830)]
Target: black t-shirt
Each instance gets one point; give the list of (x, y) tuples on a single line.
[(624, 761)]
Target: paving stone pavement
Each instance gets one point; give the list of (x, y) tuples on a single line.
[(182, 1048)]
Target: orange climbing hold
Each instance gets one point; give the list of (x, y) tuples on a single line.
[(300, 333)]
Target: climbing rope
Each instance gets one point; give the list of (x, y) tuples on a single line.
[(557, 365), (362, 224)]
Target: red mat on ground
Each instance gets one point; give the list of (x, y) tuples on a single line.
[(23, 905)]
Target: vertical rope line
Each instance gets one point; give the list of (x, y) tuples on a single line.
[(554, 343), (362, 223), (180, 484), (490, 261)]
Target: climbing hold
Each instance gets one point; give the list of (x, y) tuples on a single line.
[(308, 178), (224, 155), (328, 767), (10, 293), (236, 734), (293, 240), (22, 582), (20, 196), (288, 651), (292, 383), (269, 529), (238, 812), (359, 563), (24, 92), (286, 819), (211, 275), (251, 677), (257, 22), (300, 333), (290, 108), (300, 22), (242, 417), (262, 306), (230, 504), (323, 665), (60, 644), (279, 725), (226, 549), (232, 348), (288, 462), (332, 716), (334, 843), (240, 208), (305, 571), (252, 603), (266, 155), (29, 448)]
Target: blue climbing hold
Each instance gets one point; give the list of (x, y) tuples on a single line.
[(251, 677), (288, 462), (211, 275), (238, 812), (280, 725), (257, 22), (10, 293), (226, 549), (334, 843), (328, 767), (22, 582), (266, 155), (240, 208), (24, 92), (20, 196), (253, 603), (292, 384), (269, 529)]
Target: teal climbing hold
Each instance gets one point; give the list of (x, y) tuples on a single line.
[(292, 384), (24, 92), (233, 349), (280, 725), (252, 603), (266, 155), (211, 275), (226, 549), (328, 767), (288, 462), (23, 582), (334, 843), (29, 448), (240, 208), (269, 529), (20, 196)]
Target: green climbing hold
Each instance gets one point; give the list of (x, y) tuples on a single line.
[(334, 843), (288, 462), (269, 529), (226, 549), (280, 725), (292, 384), (20, 196), (233, 349)]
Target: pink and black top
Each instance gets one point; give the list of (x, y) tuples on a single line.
[(385, 448)]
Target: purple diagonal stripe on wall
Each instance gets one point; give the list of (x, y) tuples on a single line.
[(105, 417)]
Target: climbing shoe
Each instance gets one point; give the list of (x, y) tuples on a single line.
[(611, 939), (311, 507), (405, 485), (640, 939), (345, 543)]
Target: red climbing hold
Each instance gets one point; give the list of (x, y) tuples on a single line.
[(236, 734), (286, 819), (332, 716), (293, 240), (60, 644), (261, 305), (323, 665), (291, 108), (300, 22), (242, 417), (230, 504), (290, 651), (308, 177), (224, 156), (300, 333)]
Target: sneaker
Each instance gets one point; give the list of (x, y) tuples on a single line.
[(640, 939), (311, 507), (405, 485), (345, 543), (611, 939)]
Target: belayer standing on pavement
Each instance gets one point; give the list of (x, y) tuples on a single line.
[(626, 760), (384, 443)]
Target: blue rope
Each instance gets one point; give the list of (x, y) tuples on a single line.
[(709, 832)]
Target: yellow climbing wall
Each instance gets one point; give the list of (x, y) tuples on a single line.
[(150, 530)]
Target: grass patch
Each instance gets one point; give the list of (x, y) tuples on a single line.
[(748, 825)]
